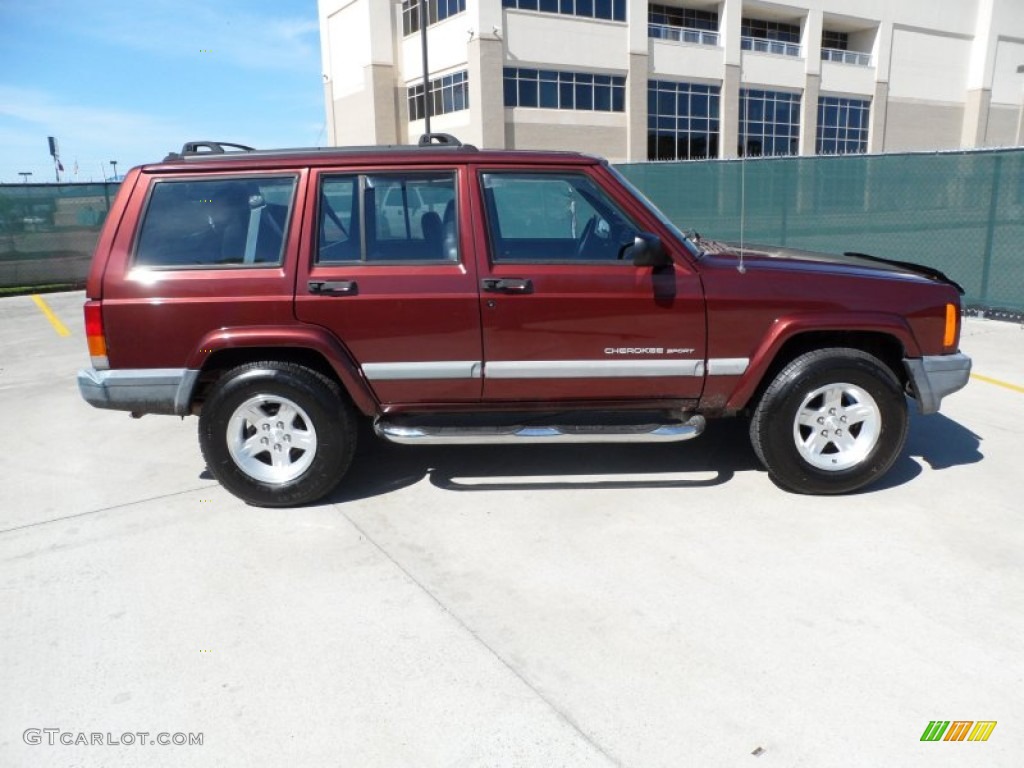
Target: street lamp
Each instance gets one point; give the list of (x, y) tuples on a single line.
[(114, 163), (24, 176), (1020, 120)]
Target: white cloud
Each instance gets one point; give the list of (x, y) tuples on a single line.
[(228, 32), (93, 134)]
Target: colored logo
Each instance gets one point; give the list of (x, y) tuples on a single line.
[(958, 730)]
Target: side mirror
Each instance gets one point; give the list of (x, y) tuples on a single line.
[(647, 251)]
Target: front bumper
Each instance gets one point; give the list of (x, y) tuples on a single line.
[(139, 390), (934, 377)]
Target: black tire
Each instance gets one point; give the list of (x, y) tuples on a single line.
[(832, 421), (259, 408)]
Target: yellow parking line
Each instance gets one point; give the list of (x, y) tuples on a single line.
[(998, 383), (58, 326)]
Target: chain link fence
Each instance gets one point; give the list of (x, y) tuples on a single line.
[(48, 232), (961, 212)]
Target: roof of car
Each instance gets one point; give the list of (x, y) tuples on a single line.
[(225, 156)]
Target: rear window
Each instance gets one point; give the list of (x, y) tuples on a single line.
[(216, 222)]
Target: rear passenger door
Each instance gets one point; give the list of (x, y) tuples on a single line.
[(390, 274)]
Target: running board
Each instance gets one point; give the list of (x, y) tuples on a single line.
[(408, 434)]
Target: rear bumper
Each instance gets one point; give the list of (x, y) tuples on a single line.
[(932, 378), (140, 390)]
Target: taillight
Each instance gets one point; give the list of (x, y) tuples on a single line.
[(94, 334), (952, 316)]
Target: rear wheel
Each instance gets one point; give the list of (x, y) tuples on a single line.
[(277, 434), (831, 421)]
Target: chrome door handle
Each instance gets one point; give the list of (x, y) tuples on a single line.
[(333, 287), (507, 285)]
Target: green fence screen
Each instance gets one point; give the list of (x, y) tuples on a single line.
[(962, 212), (48, 231)]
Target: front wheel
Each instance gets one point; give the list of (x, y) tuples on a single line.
[(277, 434), (831, 421)]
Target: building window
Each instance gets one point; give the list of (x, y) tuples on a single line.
[(682, 17), (614, 10), (437, 10), (839, 41), (769, 123), (770, 37), (550, 89), (447, 94), (842, 126), (771, 30), (682, 120), (685, 25)]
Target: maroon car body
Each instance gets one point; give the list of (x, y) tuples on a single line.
[(531, 316)]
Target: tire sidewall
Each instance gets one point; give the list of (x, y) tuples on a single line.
[(785, 398), (333, 422)]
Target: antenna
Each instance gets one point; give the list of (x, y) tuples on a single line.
[(744, 127)]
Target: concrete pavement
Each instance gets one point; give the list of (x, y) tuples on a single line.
[(533, 606)]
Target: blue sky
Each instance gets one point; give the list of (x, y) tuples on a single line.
[(130, 81)]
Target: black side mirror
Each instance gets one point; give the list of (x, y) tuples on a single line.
[(647, 251)]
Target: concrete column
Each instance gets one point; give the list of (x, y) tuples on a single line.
[(637, 75), (636, 108), (380, 86), (876, 129), (813, 25), (729, 113), (809, 114), (486, 95), (975, 127), (980, 74), (730, 29)]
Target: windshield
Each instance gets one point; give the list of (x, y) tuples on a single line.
[(661, 217)]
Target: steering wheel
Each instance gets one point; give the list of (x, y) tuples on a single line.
[(588, 230)]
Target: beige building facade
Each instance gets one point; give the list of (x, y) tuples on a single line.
[(634, 80)]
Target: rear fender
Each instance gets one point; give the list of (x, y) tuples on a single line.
[(290, 338)]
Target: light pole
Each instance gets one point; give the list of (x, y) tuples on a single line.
[(114, 163), (24, 176), (426, 70), (1020, 120)]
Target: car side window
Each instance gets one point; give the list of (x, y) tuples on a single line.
[(215, 223), (389, 218), (551, 217)]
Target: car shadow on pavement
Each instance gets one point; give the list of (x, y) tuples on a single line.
[(713, 458), (936, 440)]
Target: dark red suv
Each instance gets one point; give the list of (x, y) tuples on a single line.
[(453, 295)]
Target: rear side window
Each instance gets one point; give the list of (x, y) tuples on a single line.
[(388, 218), (216, 223)]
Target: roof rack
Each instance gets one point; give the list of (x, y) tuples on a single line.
[(214, 149), (192, 148), (442, 139)]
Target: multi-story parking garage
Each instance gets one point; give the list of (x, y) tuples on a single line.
[(635, 80)]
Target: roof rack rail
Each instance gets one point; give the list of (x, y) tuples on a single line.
[(193, 148), (444, 139)]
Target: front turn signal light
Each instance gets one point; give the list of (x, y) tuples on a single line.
[(949, 337)]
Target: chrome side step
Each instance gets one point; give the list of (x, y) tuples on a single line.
[(409, 434)]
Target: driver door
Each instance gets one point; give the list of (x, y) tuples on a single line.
[(565, 316)]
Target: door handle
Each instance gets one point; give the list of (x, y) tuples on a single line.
[(507, 285), (333, 287)]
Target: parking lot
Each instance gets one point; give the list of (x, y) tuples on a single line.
[(545, 606)]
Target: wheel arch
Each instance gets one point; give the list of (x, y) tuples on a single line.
[(224, 349), (890, 342)]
